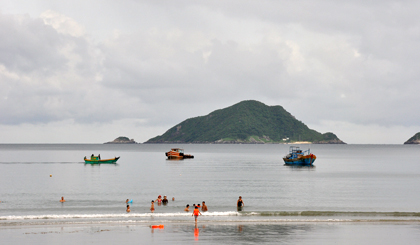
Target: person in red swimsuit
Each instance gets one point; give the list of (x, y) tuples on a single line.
[(196, 213), (159, 200)]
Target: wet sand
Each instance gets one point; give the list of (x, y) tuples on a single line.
[(216, 233)]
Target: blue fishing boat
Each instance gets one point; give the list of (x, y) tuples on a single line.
[(297, 157)]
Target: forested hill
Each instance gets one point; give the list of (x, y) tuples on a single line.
[(245, 122)]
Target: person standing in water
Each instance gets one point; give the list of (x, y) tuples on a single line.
[(187, 208), (165, 200), (159, 200), (196, 213), (240, 203), (62, 199), (152, 207), (204, 207), (128, 208)]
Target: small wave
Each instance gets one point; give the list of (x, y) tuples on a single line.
[(99, 216), (298, 215), (332, 213)]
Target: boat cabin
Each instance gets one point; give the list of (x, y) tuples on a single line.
[(295, 152), (177, 150)]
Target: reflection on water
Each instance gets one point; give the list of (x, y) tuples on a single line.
[(196, 232), (244, 233), (240, 228), (295, 167)]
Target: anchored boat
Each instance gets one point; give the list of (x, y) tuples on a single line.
[(177, 153), (97, 160), (298, 157)]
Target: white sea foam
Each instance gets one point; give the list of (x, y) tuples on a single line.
[(99, 216)]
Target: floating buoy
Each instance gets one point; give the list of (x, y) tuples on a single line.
[(157, 226)]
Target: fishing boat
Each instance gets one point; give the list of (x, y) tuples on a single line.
[(97, 160), (298, 157), (177, 153)]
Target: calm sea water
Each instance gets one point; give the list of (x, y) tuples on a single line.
[(349, 183)]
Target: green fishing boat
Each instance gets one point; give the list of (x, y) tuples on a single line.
[(97, 160)]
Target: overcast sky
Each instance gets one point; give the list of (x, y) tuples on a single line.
[(89, 71)]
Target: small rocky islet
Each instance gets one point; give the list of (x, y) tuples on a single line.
[(122, 140), (415, 140)]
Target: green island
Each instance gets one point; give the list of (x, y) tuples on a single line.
[(413, 140), (247, 122)]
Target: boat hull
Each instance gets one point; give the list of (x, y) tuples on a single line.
[(301, 161), (104, 161), (176, 155)]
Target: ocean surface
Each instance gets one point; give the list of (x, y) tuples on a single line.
[(364, 194)]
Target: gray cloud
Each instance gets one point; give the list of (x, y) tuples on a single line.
[(328, 63)]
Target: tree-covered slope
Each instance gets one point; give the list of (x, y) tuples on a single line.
[(245, 122)]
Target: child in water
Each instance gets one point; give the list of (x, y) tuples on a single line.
[(152, 208), (196, 213), (128, 208)]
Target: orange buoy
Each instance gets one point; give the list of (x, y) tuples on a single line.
[(157, 226)]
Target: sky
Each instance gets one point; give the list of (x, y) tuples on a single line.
[(90, 71)]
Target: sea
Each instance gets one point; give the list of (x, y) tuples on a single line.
[(354, 194)]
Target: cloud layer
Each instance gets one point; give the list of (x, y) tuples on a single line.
[(138, 68)]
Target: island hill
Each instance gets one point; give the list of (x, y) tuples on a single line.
[(247, 122), (413, 140), (122, 140)]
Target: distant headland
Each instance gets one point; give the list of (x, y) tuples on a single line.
[(122, 140), (247, 122), (413, 140)]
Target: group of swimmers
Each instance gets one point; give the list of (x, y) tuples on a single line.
[(159, 201), (203, 208), (240, 203)]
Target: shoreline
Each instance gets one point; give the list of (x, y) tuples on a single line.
[(209, 233)]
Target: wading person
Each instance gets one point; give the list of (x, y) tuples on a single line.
[(196, 213), (240, 203), (152, 207), (204, 207)]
